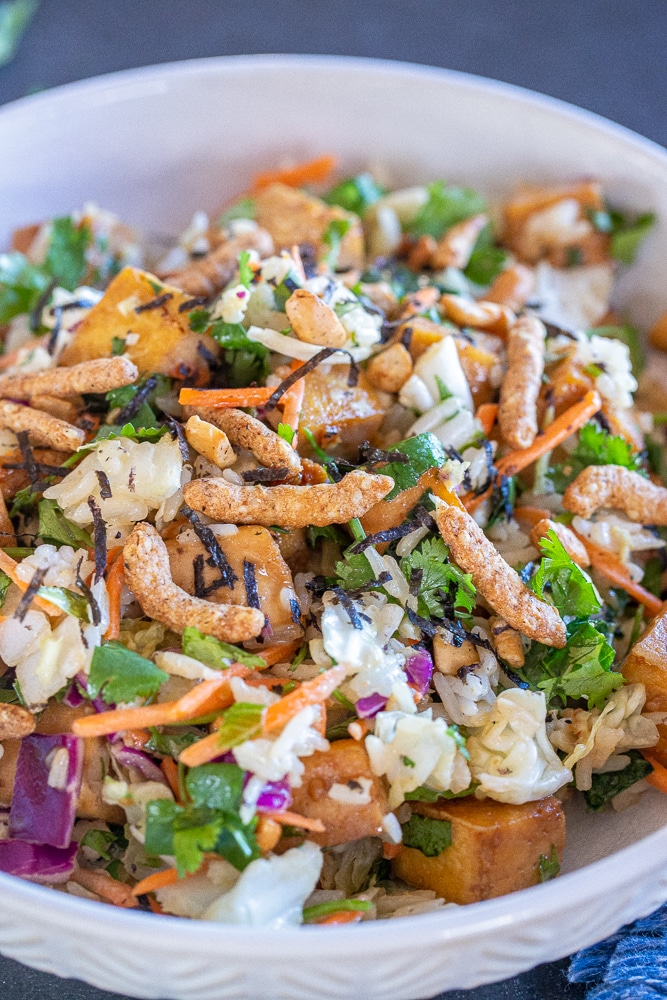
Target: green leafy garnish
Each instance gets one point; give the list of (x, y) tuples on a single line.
[(607, 785), (354, 572), (446, 206), (355, 194), (245, 360), (215, 653), (109, 844), (15, 16), (246, 273), (145, 417), (21, 284), (171, 744), (244, 209), (332, 238), (548, 867), (625, 242), (425, 452), (312, 914), (329, 533), (241, 722), (121, 676), (5, 584), (117, 346), (425, 794), (428, 835), (55, 529), (562, 583), (66, 254), (486, 261), (209, 822), (582, 669), (285, 431), (594, 447), (431, 558), (67, 600)]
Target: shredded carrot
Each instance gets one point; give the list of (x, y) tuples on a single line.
[(8, 566), (610, 565), (252, 396), (115, 581), (570, 421), (342, 917), (292, 403), (531, 515), (155, 906), (209, 696), (658, 778), (308, 172), (202, 751), (170, 770), (311, 692), (287, 818), (487, 414), (390, 851), (158, 880), (112, 555), (98, 881), (280, 653)]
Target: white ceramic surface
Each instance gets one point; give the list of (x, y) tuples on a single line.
[(155, 144)]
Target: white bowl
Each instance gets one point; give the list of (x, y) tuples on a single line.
[(155, 144)]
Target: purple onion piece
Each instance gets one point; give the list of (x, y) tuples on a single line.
[(368, 708), (138, 761), (419, 668), (73, 698), (274, 796), (36, 862), (41, 813)]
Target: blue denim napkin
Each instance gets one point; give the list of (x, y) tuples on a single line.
[(630, 965)]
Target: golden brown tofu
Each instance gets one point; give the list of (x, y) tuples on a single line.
[(58, 718), (421, 333), (646, 664), (250, 542), (480, 368), (339, 788), (292, 216), (164, 341), (495, 848), (592, 248), (340, 417)]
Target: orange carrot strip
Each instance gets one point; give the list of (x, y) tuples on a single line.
[(112, 555), (99, 882), (610, 565), (287, 818), (487, 414), (155, 906), (308, 172), (170, 771), (158, 880), (209, 696), (252, 396), (280, 653), (570, 421), (342, 917), (115, 580), (531, 515), (8, 566), (311, 692), (659, 776), (202, 751)]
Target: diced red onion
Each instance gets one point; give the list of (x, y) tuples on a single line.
[(274, 796), (419, 668), (138, 761), (368, 708), (36, 862), (40, 813)]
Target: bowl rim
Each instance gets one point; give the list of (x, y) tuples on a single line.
[(623, 867)]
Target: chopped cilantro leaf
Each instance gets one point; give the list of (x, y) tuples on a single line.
[(199, 320), (424, 451), (21, 284), (428, 835), (442, 583), (5, 584), (446, 206), (354, 572), (241, 722), (245, 271), (245, 360), (244, 209), (594, 447), (548, 867), (564, 584), (66, 254), (120, 676), (170, 744), (286, 432), (355, 194), (55, 529), (333, 237), (486, 261), (68, 601), (582, 669), (605, 786), (628, 237), (215, 653), (117, 346)]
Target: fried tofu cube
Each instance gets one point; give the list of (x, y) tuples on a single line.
[(495, 848), (481, 368), (250, 543), (340, 417), (646, 664), (339, 788), (292, 216), (156, 339)]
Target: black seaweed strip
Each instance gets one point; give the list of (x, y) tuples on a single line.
[(416, 577), (132, 408), (154, 303), (250, 581), (388, 535), (29, 593), (105, 485), (95, 612), (99, 538), (295, 609), (265, 475), (198, 569), (36, 314), (191, 304), (177, 432), (212, 546), (349, 606), (373, 456)]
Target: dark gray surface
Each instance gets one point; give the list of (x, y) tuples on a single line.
[(604, 55)]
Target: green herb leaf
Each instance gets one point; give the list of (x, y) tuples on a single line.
[(445, 207), (329, 533), (332, 238), (119, 675), (286, 432), (425, 794), (243, 209), (562, 583), (548, 867), (15, 16), (626, 240), (605, 786), (246, 273), (425, 452), (216, 786), (55, 529), (67, 600), (21, 285), (199, 320), (215, 653), (355, 194), (106, 843), (594, 447), (241, 722), (428, 835), (66, 254), (582, 669), (355, 571), (245, 360), (431, 557), (171, 744), (486, 261), (117, 346), (5, 584)]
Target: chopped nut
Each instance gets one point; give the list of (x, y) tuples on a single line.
[(210, 442), (506, 642), (250, 433), (517, 412), (449, 658), (619, 489), (480, 315), (15, 722), (313, 321), (574, 547), (390, 370)]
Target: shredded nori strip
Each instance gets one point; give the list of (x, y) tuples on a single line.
[(425, 626), (105, 485), (191, 304), (388, 535), (29, 463), (376, 456), (348, 604), (416, 577), (176, 431), (29, 593), (295, 609), (99, 538), (130, 480), (198, 569), (250, 581), (406, 337), (95, 613), (491, 470), (154, 303), (131, 409), (309, 366), (308, 255), (265, 475), (212, 546), (36, 314), (600, 419), (317, 585)]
